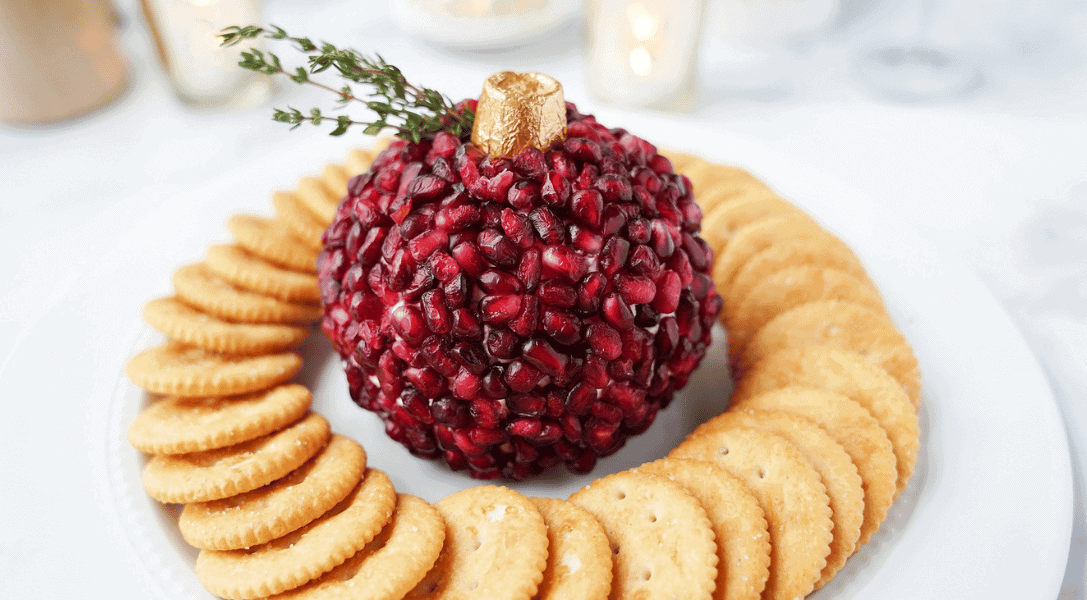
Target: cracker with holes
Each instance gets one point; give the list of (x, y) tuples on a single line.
[(843, 325), (578, 555), (759, 235), (723, 221), (852, 426), (176, 425), (293, 213), (183, 323), (851, 375), (789, 491), (835, 467), (661, 537), (273, 241), (495, 547), (794, 252), (387, 567), (303, 555), (274, 510), (214, 474), (200, 287), (739, 525), (182, 370), (789, 288), (250, 272)]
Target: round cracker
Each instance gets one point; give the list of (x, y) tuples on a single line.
[(305, 554), (851, 375), (834, 465), (199, 286), (859, 433), (248, 271), (222, 472), (757, 236), (176, 425), (843, 325), (390, 565), (578, 555), (739, 524), (801, 251), (788, 289), (495, 547), (790, 493), (274, 510), (293, 213), (335, 178), (659, 533), (178, 369), (359, 160), (727, 218), (273, 241), (320, 201), (181, 322)]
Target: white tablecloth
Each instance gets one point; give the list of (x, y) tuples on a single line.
[(95, 214)]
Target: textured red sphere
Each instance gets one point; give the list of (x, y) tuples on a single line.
[(510, 315)]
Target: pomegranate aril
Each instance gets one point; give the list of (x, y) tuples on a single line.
[(553, 293), (530, 162), (466, 384), (562, 326), (555, 189), (614, 256), (524, 195), (497, 248), (437, 350), (544, 357), (494, 383), (521, 377), (369, 250), (587, 205), (488, 413), (564, 262), (635, 289), (607, 413), (428, 381), (503, 343), (604, 341), (409, 324), (499, 309), (493, 281), (469, 258), (548, 226), (585, 240), (525, 427), (617, 312), (526, 321), (583, 149), (530, 269), (528, 405), (590, 292), (457, 291), (580, 399), (472, 357), (639, 231)]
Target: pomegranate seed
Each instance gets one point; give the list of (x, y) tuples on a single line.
[(548, 226), (562, 326), (585, 240), (635, 289), (530, 162), (544, 357), (527, 320), (499, 309), (564, 262), (466, 384), (617, 312), (615, 253), (587, 205), (580, 399), (605, 341), (497, 248), (530, 269), (555, 189), (526, 404), (409, 324), (428, 381), (522, 377), (503, 343), (524, 195), (591, 292), (583, 149), (494, 281), (553, 293)]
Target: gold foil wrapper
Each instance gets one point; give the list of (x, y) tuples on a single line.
[(518, 110)]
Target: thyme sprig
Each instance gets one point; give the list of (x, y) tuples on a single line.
[(412, 112)]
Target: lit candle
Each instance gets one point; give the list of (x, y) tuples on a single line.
[(644, 52), (200, 69)]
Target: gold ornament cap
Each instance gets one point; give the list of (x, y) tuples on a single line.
[(518, 110)]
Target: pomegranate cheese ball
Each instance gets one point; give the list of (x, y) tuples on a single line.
[(507, 315)]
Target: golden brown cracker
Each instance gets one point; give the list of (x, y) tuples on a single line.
[(313, 192), (659, 533), (248, 271), (843, 325), (178, 369), (390, 565), (222, 472), (790, 493), (739, 524), (851, 375), (795, 252), (725, 219), (835, 467), (756, 236), (183, 323), (579, 559), (859, 433), (274, 510), (199, 287), (176, 425), (335, 177), (273, 241), (293, 213), (495, 547), (789, 288), (305, 554)]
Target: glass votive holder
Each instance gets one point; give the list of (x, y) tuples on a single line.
[(644, 52), (202, 72)]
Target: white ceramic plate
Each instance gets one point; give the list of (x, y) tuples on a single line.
[(987, 514)]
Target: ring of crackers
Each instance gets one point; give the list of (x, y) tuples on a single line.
[(774, 515)]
